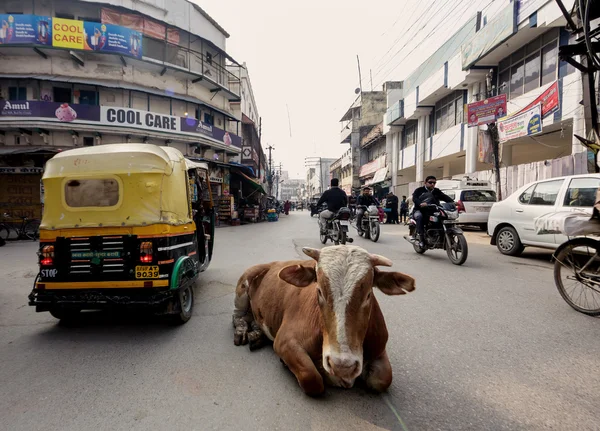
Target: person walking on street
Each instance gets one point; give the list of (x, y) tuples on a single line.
[(404, 209), (392, 204)]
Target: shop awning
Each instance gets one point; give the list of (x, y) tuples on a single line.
[(379, 176), (251, 182), (190, 164)]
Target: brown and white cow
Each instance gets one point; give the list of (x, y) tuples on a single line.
[(322, 316)]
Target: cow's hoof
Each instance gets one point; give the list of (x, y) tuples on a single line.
[(240, 335), (256, 340)]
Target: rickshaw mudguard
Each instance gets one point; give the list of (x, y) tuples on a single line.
[(183, 260)]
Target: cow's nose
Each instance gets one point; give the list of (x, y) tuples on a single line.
[(344, 365)]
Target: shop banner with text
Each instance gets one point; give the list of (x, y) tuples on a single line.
[(191, 125), (127, 117), (62, 112), (69, 34), (526, 123), (486, 111), (548, 99)]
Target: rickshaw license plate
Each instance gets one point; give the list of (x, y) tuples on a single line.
[(146, 271)]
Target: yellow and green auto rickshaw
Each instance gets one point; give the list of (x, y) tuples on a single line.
[(124, 225)]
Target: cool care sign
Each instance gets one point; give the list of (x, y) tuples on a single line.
[(127, 117)]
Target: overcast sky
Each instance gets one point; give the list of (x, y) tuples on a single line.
[(303, 56)]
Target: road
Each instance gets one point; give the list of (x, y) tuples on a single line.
[(486, 346)]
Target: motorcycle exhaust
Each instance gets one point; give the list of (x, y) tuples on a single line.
[(350, 240), (409, 239)]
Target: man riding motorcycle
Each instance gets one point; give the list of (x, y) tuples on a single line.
[(335, 198), (364, 200), (422, 197)]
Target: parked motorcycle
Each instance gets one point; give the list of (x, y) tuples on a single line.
[(370, 223), (441, 233), (337, 228)]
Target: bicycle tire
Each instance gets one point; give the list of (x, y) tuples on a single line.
[(31, 230), (562, 263)]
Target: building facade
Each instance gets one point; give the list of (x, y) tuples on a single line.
[(292, 189), (81, 73), (515, 45), (318, 176)]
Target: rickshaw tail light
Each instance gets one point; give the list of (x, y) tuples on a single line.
[(46, 261), (146, 252)]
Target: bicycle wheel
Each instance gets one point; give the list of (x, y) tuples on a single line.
[(31, 230), (4, 232), (577, 275)]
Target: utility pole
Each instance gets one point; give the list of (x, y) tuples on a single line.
[(493, 129), (270, 173)]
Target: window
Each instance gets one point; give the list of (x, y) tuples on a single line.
[(17, 93), (209, 119), (92, 193), (449, 111), (88, 142), (582, 192), (87, 97), (153, 48), (62, 95), (209, 58), (526, 195), (450, 193), (530, 67), (411, 135), (545, 193), (478, 196), (65, 16)]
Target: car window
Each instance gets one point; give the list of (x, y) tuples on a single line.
[(581, 192), (450, 193), (545, 193), (526, 195), (478, 196)]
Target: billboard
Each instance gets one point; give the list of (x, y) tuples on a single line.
[(526, 123), (486, 111), (61, 112), (69, 34)]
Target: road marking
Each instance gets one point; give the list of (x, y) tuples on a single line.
[(393, 409)]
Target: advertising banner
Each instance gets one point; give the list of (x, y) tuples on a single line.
[(127, 117), (192, 125), (484, 143), (139, 23), (548, 99), (63, 112), (486, 111), (69, 34), (524, 124)]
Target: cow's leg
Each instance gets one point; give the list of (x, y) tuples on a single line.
[(378, 373), (297, 360), (243, 318), (256, 337)]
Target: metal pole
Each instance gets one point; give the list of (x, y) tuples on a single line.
[(359, 76), (493, 129)]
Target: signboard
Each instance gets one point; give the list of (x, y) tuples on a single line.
[(548, 99), (69, 34), (372, 167), (62, 112), (524, 124), (127, 117), (192, 125), (486, 111), (11, 170), (503, 26)]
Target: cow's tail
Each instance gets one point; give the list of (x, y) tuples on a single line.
[(242, 312)]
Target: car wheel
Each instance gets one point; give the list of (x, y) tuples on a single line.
[(508, 242)]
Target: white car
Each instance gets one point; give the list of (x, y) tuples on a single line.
[(474, 200), (511, 225)]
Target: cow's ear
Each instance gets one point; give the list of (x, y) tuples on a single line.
[(298, 275), (393, 283)]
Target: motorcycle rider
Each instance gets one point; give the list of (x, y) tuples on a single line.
[(364, 200), (335, 198), (421, 209)]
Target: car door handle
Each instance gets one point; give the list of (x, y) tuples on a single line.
[(518, 211)]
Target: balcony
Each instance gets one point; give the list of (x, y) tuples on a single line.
[(395, 114), (346, 131)]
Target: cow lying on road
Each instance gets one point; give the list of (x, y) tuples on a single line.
[(322, 316)]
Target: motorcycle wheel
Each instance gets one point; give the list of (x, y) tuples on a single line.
[(375, 230), (343, 238), (457, 249), (323, 238), (418, 249)]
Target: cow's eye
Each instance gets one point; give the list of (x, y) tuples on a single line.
[(320, 296), (368, 296)]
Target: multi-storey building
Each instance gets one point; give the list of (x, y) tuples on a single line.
[(84, 72), (516, 45)]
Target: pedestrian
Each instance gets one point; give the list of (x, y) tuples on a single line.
[(392, 205), (286, 207), (404, 209)]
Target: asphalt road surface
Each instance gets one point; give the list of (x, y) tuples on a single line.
[(487, 346)]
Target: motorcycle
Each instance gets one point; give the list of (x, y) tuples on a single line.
[(336, 228), (370, 223), (441, 233)]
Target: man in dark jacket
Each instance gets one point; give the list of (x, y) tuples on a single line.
[(335, 198), (391, 202), (364, 200), (435, 195)]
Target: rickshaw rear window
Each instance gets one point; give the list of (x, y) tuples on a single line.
[(92, 192)]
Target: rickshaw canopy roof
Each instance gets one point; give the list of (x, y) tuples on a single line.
[(116, 185)]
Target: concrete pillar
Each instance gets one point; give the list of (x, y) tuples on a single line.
[(578, 119), (471, 149), (506, 155), (421, 144), (446, 172)]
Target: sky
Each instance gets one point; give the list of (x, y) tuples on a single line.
[(302, 57)]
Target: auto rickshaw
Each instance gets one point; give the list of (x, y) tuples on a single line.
[(125, 225)]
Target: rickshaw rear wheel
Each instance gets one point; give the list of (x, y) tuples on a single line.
[(66, 314), (183, 277), (185, 303)]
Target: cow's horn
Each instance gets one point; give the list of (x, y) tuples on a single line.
[(378, 260), (312, 252)]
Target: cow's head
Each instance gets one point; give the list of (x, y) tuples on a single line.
[(345, 277)]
